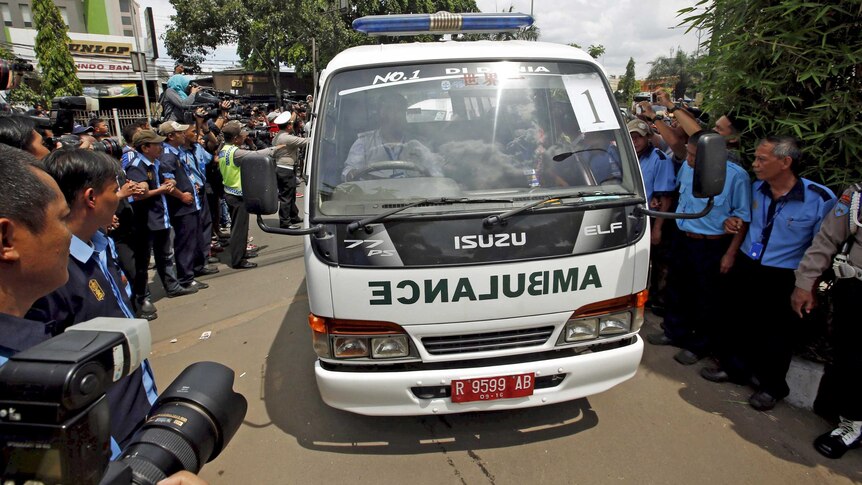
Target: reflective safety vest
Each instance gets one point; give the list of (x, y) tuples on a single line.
[(230, 172)]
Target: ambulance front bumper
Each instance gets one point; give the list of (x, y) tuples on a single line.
[(388, 393)]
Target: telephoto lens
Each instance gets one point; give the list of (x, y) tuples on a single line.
[(110, 146), (189, 425)]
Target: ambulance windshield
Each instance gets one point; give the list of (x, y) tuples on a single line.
[(507, 132)]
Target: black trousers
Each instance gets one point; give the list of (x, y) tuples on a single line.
[(238, 228), (126, 260), (186, 246), (160, 244), (760, 341), (287, 210), (847, 338), (204, 234), (695, 294)]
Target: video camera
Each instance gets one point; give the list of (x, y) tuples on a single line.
[(12, 71), (62, 122), (54, 416)]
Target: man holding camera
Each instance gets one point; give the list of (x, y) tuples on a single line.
[(229, 160)]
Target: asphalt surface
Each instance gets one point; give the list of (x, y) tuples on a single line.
[(666, 425)]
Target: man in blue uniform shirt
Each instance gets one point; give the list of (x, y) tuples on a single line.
[(34, 248), (703, 255), (151, 216), (658, 174), (96, 286), (786, 214)]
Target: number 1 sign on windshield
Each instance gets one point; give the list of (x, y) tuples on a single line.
[(589, 98)]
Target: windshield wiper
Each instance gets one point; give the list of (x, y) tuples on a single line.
[(353, 226), (498, 218)]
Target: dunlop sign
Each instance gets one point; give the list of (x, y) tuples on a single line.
[(92, 48)]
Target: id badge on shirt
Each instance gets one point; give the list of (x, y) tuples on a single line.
[(756, 251)]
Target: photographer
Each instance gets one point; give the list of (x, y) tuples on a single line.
[(175, 100), (229, 160), (19, 132)]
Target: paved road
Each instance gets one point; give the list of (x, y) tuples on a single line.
[(666, 425)]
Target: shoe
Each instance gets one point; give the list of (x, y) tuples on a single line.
[(297, 220), (295, 226), (147, 306), (251, 247), (207, 270), (182, 291), (213, 260), (762, 401), (299, 196), (714, 374), (659, 339), (846, 436), (149, 316), (249, 255), (686, 357), (198, 285), (216, 248), (244, 264), (250, 239)]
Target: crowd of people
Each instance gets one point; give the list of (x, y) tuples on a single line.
[(79, 229), (740, 280)]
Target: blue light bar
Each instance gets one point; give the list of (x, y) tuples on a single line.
[(441, 23)]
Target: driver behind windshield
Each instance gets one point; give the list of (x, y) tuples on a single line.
[(390, 143)]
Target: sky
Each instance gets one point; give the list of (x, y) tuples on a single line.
[(627, 28)]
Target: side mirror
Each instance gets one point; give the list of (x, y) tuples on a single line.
[(710, 166), (259, 187)]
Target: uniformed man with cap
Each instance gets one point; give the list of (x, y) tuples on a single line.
[(229, 160), (288, 213), (151, 216), (184, 203), (786, 212), (839, 245), (657, 169)]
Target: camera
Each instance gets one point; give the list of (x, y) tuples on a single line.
[(11, 72), (54, 416)]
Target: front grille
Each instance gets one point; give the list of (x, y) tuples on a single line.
[(483, 342)]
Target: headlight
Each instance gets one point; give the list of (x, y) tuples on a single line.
[(349, 347), (389, 347), (585, 329), (615, 324)]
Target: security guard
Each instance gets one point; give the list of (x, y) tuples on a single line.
[(184, 203), (229, 160), (657, 170), (198, 159), (151, 216), (96, 285), (839, 245), (703, 254), (786, 214), (288, 212)]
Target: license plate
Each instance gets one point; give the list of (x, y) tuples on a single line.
[(492, 388)]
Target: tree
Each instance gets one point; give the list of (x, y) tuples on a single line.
[(628, 84), (790, 67), (57, 67), (679, 71), (270, 34), (595, 50)]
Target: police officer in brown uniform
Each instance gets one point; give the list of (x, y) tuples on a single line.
[(839, 244)]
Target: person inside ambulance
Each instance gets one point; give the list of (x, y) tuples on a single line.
[(388, 152)]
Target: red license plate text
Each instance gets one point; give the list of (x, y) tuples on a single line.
[(492, 388)]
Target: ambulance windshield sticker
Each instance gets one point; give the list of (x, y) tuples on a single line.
[(589, 98)]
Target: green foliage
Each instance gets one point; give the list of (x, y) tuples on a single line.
[(627, 87), (59, 77), (792, 67), (681, 69), (596, 50)]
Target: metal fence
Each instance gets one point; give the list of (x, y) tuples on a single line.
[(115, 118)]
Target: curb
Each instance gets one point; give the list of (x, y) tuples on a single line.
[(803, 377)]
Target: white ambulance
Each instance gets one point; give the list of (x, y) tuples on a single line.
[(476, 231)]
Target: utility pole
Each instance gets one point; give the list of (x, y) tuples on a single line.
[(143, 67)]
